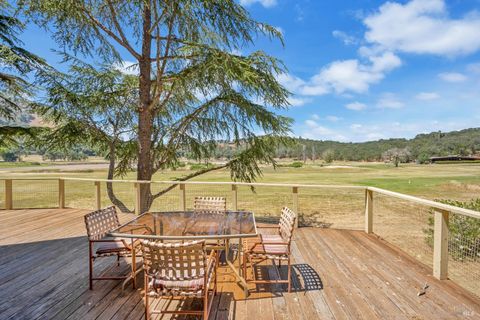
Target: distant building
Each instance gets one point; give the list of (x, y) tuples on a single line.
[(454, 158)]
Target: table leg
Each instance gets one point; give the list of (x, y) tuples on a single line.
[(134, 272), (240, 269), (233, 267)]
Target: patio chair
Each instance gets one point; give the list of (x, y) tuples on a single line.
[(179, 270), (98, 224), (215, 205), (210, 204), (273, 246)]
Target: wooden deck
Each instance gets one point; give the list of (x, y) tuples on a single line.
[(339, 274)]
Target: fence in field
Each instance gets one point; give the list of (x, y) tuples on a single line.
[(418, 226)]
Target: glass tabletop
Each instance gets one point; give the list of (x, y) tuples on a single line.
[(177, 225)]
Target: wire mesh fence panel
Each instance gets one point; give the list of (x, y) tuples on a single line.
[(80, 194), (121, 194), (332, 208), (464, 252), (208, 190), (169, 200), (404, 224), (34, 193), (265, 201)]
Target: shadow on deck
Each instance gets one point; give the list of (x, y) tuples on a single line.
[(338, 274)]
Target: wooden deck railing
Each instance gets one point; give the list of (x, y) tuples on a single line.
[(441, 211)]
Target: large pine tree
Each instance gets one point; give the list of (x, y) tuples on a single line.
[(193, 86)]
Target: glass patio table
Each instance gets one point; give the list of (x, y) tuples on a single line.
[(189, 225)]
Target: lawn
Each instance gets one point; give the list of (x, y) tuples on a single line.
[(453, 181)]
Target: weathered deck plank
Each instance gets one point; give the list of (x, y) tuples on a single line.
[(338, 274)]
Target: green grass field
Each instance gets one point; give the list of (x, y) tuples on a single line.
[(454, 181)]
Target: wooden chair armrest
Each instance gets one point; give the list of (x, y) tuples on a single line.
[(273, 242), (107, 240), (212, 260)]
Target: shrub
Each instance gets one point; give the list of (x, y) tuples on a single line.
[(464, 231), (328, 155), (200, 166), (10, 156), (296, 164), (423, 158)]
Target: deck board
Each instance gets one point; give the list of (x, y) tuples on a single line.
[(338, 274)]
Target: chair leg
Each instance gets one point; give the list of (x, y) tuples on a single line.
[(215, 275), (147, 311), (245, 266), (205, 305), (90, 264), (289, 276), (134, 268)]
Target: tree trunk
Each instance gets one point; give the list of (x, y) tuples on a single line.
[(111, 170), (145, 118)]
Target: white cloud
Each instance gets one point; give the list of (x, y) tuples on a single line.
[(385, 62), (350, 75), (344, 37), (333, 118), (423, 27), (298, 102), (293, 84), (290, 82), (356, 106), (389, 101), (315, 117), (452, 77), (127, 67), (316, 131), (427, 96), (265, 3), (356, 126), (368, 131)]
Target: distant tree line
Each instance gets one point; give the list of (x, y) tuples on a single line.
[(420, 148)]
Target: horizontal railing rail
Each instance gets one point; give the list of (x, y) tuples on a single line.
[(441, 211), (428, 203)]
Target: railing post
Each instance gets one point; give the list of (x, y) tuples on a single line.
[(234, 198), (183, 197), (138, 198), (8, 194), (368, 211), (440, 245), (98, 195), (295, 204), (61, 193)]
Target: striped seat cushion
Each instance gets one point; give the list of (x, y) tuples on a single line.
[(188, 287), (271, 238), (257, 249), (108, 248)]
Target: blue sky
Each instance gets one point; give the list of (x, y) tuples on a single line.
[(366, 70)]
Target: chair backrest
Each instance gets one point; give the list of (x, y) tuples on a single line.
[(174, 261), (210, 204), (287, 224), (100, 222)]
